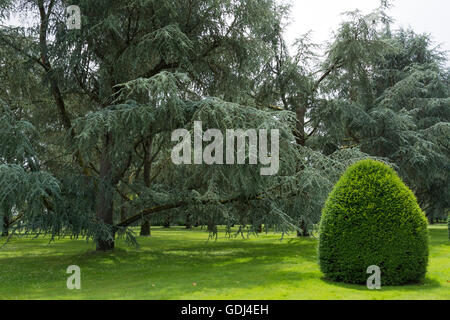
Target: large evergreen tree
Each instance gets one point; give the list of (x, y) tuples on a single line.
[(136, 71), (398, 108), (91, 113)]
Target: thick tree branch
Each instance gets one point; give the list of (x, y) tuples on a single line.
[(146, 212), (335, 66), (54, 87)]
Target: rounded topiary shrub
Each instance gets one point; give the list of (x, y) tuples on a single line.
[(372, 218)]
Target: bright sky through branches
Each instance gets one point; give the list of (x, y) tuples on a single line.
[(324, 16)]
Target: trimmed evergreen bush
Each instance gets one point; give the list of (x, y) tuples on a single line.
[(372, 218)]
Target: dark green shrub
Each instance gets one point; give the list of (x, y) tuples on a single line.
[(372, 218)]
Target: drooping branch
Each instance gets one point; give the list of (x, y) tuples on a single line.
[(54, 87), (21, 51), (147, 212), (334, 66)]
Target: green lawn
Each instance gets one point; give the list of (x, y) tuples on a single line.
[(179, 264)]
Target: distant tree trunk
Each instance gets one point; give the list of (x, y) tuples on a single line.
[(167, 222), (146, 226), (448, 226), (105, 204), (5, 232), (259, 228), (304, 230), (300, 135), (188, 221), (212, 227), (146, 229), (123, 213)]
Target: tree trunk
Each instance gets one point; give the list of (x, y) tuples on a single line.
[(301, 140), (105, 206), (105, 245), (300, 136), (5, 232), (146, 226), (212, 227), (188, 221), (167, 222), (304, 230), (146, 229), (123, 213)]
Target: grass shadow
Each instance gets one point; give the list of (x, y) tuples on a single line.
[(426, 284)]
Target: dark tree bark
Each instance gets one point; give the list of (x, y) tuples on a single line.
[(167, 221), (123, 213), (146, 226), (301, 140), (212, 227), (188, 221), (146, 229), (304, 230), (5, 232), (300, 127), (105, 205), (105, 245)]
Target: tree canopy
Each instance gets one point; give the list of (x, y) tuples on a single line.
[(87, 115)]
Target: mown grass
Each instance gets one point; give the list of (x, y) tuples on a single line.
[(179, 264)]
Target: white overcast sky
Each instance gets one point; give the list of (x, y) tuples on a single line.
[(323, 16)]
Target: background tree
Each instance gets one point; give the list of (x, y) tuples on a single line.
[(397, 108), (301, 82)]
